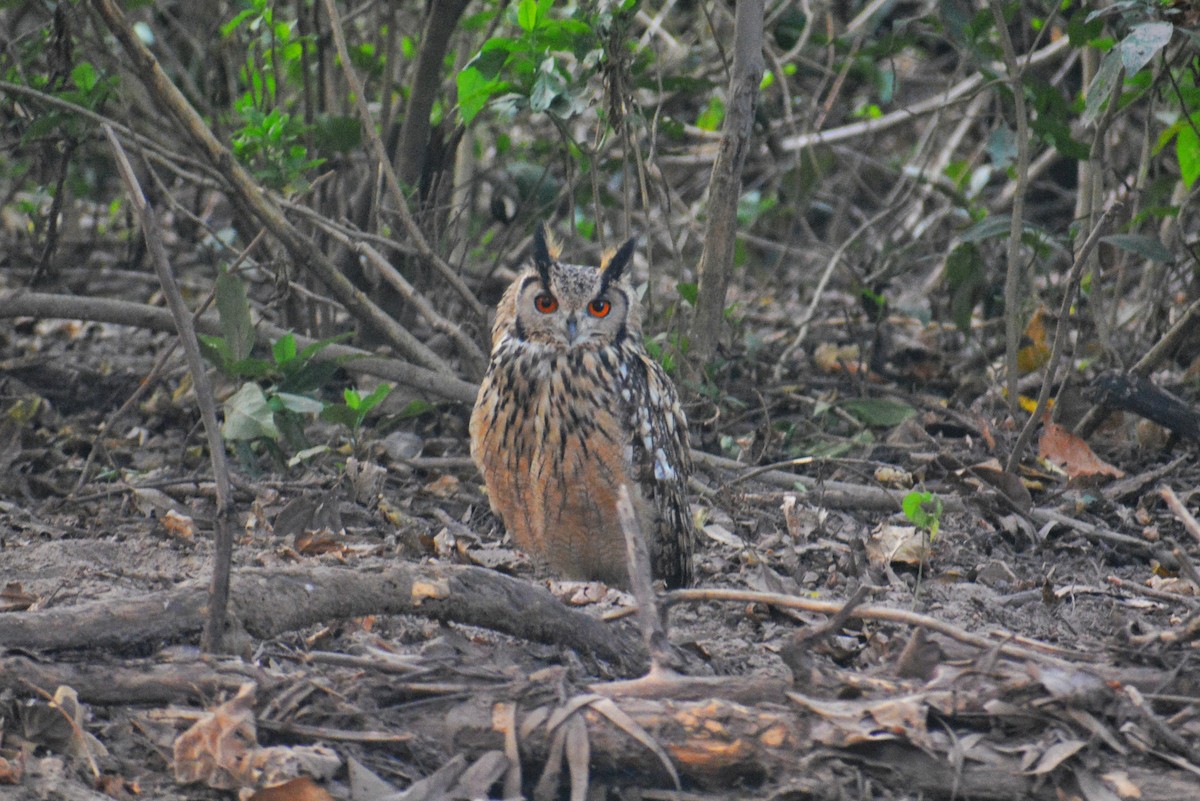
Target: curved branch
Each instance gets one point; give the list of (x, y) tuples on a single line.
[(20, 303)]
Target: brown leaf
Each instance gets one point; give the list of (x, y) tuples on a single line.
[(13, 598), (1072, 454), (442, 487), (1034, 350), (179, 525), (314, 542), (302, 788), (216, 748)]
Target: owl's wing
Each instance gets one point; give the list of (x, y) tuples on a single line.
[(661, 462)]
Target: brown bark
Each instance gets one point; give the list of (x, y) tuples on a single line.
[(724, 190), (267, 603), (414, 131)]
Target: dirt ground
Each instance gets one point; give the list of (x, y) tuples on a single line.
[(1039, 645)]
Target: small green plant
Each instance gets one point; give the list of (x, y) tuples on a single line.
[(923, 510), (354, 410), (276, 393)]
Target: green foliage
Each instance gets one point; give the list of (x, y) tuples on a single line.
[(355, 409), (270, 134), (923, 510), (878, 412), (966, 279), (276, 393), (543, 66)]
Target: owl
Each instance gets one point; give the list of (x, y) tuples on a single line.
[(571, 408)]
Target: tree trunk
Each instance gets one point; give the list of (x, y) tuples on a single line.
[(716, 263)]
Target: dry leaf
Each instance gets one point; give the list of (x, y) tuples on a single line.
[(215, 750), (314, 542), (302, 788), (12, 765), (834, 359), (13, 598), (1034, 350), (1072, 454), (897, 544), (442, 487), (179, 525)]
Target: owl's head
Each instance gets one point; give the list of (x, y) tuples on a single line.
[(564, 306)]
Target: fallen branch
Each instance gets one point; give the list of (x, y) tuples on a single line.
[(267, 603), (19, 303)]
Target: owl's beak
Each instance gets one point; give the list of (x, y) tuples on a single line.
[(572, 329)]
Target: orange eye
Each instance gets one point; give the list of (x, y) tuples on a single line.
[(599, 308), (545, 303)]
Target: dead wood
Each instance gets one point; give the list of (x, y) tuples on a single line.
[(267, 603), (716, 744), (130, 683), (122, 312)]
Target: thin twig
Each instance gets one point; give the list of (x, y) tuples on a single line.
[(218, 598), (1037, 651), (1060, 338), (640, 583), (1012, 275), (391, 182)]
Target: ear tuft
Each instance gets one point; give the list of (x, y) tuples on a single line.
[(545, 253), (612, 265)]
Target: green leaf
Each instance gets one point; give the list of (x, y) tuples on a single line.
[(341, 414), (1187, 150), (308, 377), (879, 412), (912, 503), (474, 92), (527, 14), (377, 395), (248, 415), (337, 133), (688, 292), (1143, 43), (966, 278), (250, 367), (284, 349), (300, 404), (1101, 86), (234, 311), (711, 118), (416, 408), (546, 87), (1148, 247), (314, 348), (216, 350), (84, 76)]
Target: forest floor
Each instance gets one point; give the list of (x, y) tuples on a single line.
[(1039, 645)]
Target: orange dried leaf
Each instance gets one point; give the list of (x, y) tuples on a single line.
[(831, 358), (1034, 351), (442, 487), (1072, 454), (299, 789), (179, 525), (314, 542), (215, 750)]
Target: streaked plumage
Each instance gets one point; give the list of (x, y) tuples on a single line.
[(571, 407)]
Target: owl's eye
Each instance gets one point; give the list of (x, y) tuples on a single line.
[(546, 303), (599, 308)]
